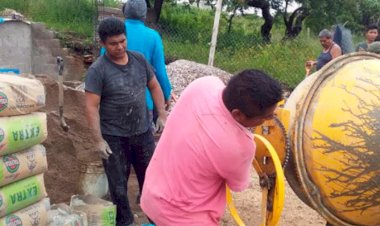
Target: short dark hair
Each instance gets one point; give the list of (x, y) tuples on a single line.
[(252, 92), (110, 27), (371, 27)]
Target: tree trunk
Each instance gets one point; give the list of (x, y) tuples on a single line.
[(294, 22), (153, 15), (229, 22), (266, 28), (148, 4)]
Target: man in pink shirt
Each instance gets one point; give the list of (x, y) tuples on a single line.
[(205, 146)]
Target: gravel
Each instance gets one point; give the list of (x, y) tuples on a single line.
[(182, 72)]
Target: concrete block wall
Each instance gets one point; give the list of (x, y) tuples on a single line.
[(32, 48), (16, 45), (45, 50)]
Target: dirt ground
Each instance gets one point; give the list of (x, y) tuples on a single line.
[(66, 151), (295, 212), (248, 204)]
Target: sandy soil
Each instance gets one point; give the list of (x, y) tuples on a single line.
[(248, 203)]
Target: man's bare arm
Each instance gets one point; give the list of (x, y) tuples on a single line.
[(336, 51), (157, 95), (92, 115), (159, 102)]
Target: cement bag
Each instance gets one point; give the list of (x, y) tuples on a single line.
[(62, 215), (33, 215), (20, 95), (22, 193), (14, 167), (99, 212), (20, 132)]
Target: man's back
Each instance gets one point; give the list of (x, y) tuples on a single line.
[(148, 42), (202, 148), (141, 39)]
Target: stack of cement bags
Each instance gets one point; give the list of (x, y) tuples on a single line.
[(22, 159)]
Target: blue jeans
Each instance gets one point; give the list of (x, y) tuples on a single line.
[(126, 151)]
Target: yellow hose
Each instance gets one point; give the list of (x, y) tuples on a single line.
[(272, 218)]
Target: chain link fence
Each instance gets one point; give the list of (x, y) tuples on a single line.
[(236, 51), (186, 33)]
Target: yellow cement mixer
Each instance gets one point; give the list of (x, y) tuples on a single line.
[(327, 137), (334, 129)]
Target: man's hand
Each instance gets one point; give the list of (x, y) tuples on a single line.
[(309, 66), (310, 63), (167, 104), (160, 124), (104, 149)]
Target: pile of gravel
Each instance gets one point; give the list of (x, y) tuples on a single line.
[(182, 72)]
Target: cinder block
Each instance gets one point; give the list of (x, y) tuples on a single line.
[(42, 34), (49, 69), (56, 52), (41, 50), (43, 59), (53, 43), (38, 30)]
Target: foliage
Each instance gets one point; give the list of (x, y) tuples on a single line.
[(355, 13), (317, 14), (18, 5), (183, 21), (238, 49), (63, 15), (111, 3), (369, 12)]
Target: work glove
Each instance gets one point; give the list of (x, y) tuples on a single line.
[(104, 150), (167, 104), (160, 124)]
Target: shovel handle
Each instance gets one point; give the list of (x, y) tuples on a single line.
[(60, 66)]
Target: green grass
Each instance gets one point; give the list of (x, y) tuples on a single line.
[(112, 3), (18, 5), (65, 16), (186, 50), (283, 60)]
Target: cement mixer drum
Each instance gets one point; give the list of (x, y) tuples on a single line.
[(334, 129)]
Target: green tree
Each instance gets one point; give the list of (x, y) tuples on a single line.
[(369, 12), (314, 14), (355, 13)]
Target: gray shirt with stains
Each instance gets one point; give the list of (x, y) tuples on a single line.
[(123, 111)]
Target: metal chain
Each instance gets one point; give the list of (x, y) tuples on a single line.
[(287, 144)]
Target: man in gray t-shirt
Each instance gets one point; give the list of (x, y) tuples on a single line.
[(117, 113), (123, 110)]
